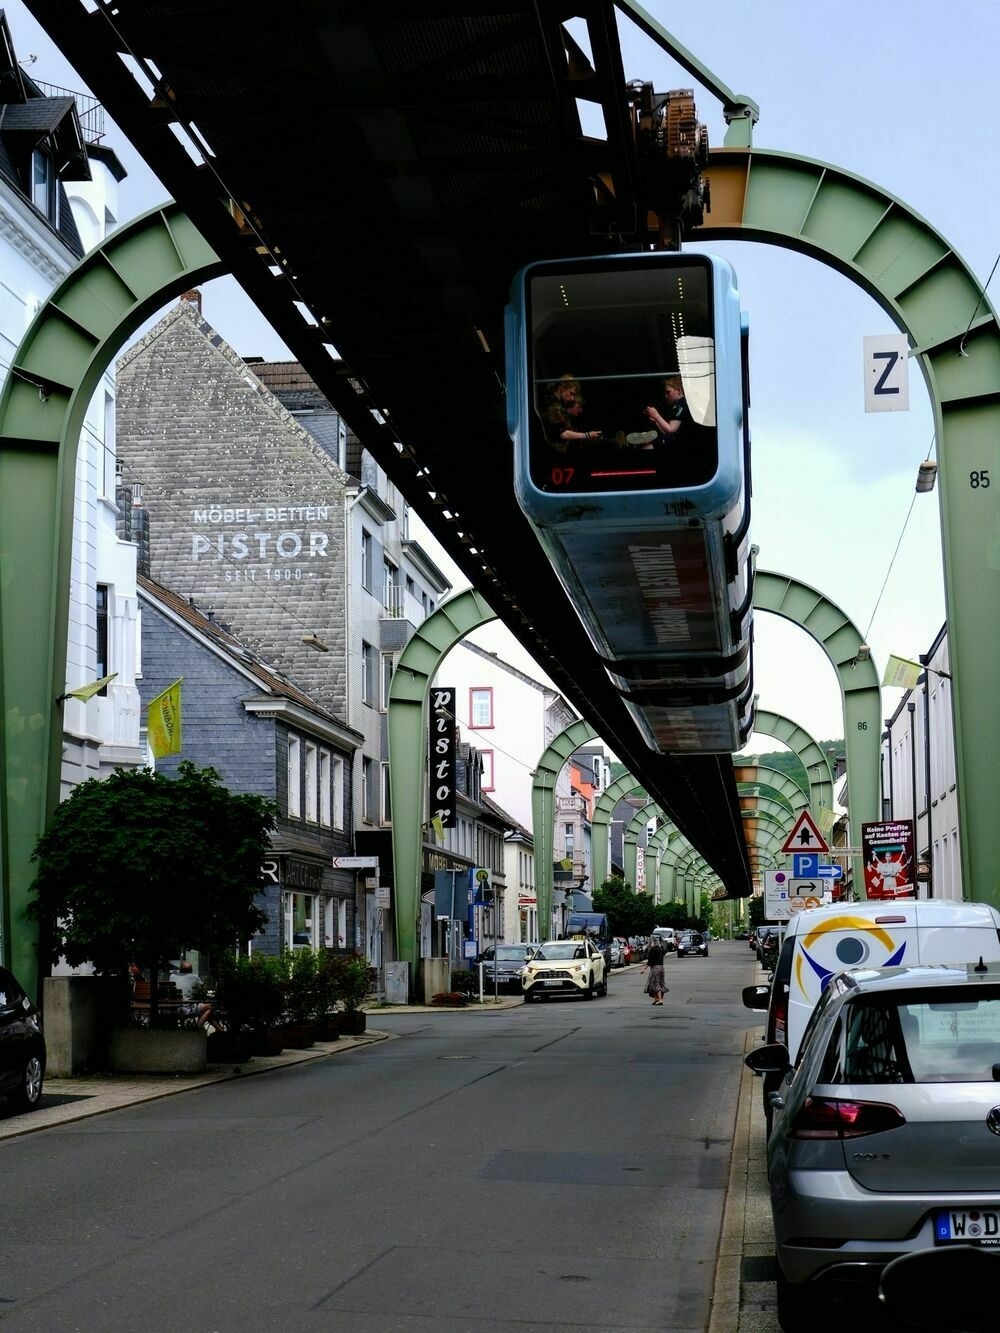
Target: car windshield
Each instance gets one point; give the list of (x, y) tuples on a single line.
[(561, 949), (511, 953), (936, 1036)]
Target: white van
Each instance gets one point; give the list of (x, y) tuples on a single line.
[(825, 940), (665, 937)]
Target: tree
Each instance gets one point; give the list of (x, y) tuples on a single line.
[(139, 867)]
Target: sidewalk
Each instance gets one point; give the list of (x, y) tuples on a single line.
[(744, 1300)]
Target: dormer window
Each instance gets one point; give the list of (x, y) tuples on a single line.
[(45, 185)]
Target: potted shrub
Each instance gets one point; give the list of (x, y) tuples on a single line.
[(352, 990), (300, 997), (327, 1023), (249, 995)]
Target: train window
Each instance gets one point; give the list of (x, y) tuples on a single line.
[(622, 376)]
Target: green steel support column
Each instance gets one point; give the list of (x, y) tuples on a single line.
[(543, 806), (600, 843), (872, 238), (667, 873), (814, 761), (52, 378), (841, 640), (408, 720)]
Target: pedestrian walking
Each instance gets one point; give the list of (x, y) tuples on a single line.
[(655, 984)]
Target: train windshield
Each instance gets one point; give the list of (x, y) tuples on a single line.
[(623, 378)]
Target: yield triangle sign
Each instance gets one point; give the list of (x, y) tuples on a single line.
[(805, 836)]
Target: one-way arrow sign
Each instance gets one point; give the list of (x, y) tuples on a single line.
[(805, 836)]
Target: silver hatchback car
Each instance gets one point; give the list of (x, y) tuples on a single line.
[(886, 1135)]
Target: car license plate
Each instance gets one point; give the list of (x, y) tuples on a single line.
[(551, 983), (967, 1226)]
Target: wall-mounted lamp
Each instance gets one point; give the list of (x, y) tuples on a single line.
[(863, 654), (926, 476), (314, 641)]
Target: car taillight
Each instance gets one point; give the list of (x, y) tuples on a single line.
[(780, 1012), (830, 1118)]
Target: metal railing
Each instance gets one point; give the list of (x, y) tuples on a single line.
[(88, 109)]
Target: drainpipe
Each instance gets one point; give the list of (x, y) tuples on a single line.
[(924, 658), (911, 709)]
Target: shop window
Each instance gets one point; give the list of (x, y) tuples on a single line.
[(301, 921)]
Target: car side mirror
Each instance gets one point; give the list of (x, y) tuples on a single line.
[(770, 1059), (756, 997)]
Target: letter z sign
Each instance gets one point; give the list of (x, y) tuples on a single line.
[(887, 384)]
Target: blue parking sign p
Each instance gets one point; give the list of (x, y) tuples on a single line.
[(805, 865)]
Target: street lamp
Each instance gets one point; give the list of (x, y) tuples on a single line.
[(926, 476)]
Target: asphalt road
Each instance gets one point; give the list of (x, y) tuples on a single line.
[(557, 1166)]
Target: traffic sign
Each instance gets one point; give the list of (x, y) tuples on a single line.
[(830, 872), (805, 865), (355, 863), (804, 888), (805, 836)]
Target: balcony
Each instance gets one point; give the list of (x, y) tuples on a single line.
[(400, 615)]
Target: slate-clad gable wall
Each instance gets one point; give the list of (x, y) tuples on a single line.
[(246, 509), (216, 729)]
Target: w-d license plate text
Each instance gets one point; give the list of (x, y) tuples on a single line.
[(969, 1226)]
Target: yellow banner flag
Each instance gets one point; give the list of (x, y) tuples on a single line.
[(86, 692), (437, 824), (901, 673), (163, 724)]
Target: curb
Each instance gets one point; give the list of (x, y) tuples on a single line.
[(727, 1292)]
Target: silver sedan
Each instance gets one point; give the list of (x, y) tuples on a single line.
[(886, 1136)]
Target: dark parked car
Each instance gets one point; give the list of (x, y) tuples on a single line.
[(22, 1046), (691, 942), (767, 945), (507, 962)]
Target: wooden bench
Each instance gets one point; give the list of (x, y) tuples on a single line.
[(168, 1000)]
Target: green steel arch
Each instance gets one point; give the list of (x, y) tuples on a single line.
[(407, 724), (604, 806), (814, 761), (52, 378), (771, 812), (543, 808), (840, 639), (774, 779), (874, 239), (758, 790)]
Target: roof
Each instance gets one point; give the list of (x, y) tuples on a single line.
[(923, 977)]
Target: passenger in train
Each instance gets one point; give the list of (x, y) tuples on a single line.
[(671, 420), (564, 422)]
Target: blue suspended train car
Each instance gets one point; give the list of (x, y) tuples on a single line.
[(627, 397)]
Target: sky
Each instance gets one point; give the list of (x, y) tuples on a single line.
[(900, 93)]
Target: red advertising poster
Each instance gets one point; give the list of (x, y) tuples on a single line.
[(887, 852)]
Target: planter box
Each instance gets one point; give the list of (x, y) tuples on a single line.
[(297, 1036), (157, 1051), (328, 1028), (352, 1022), (267, 1041), (230, 1048)]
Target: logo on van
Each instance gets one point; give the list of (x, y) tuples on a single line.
[(826, 956)]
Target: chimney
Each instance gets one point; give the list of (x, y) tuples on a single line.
[(194, 297)]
